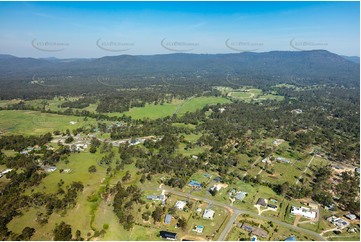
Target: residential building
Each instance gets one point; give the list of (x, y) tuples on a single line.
[(240, 196), (208, 214), (195, 184), (168, 235), (284, 160), (261, 202), (49, 168), (216, 187), (254, 230), (304, 212), (351, 216), (338, 222), (156, 197), (180, 204)]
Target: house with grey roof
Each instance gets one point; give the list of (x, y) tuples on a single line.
[(262, 202)]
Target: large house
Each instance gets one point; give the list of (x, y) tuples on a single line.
[(338, 222), (254, 230), (156, 197), (208, 214), (304, 212)]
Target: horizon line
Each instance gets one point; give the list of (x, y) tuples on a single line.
[(185, 53)]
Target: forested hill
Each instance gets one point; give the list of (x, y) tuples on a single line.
[(317, 65)]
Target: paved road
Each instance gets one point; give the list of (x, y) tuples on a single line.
[(237, 212), (229, 226)]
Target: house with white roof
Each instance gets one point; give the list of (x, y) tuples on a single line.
[(208, 214), (304, 212), (180, 205)]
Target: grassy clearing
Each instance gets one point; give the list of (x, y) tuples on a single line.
[(35, 123), (78, 164), (153, 111), (200, 102), (240, 95), (249, 94)]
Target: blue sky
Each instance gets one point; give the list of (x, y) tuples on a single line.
[(95, 29)]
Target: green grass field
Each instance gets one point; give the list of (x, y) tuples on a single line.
[(240, 95), (249, 94), (34, 122), (153, 111), (200, 102)]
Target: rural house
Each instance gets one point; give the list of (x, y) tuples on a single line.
[(208, 214)]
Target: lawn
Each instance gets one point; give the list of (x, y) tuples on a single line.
[(35, 123)]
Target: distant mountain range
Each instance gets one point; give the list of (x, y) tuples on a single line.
[(355, 59), (316, 65)]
